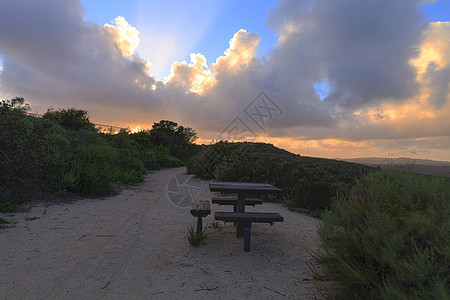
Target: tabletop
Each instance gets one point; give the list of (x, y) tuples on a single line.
[(243, 187)]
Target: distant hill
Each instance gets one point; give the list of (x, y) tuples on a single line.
[(423, 166)]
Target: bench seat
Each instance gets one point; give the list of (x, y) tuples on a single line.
[(247, 218), (200, 209)]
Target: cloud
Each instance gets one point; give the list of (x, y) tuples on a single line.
[(53, 56), (389, 70), (362, 47), (125, 36)]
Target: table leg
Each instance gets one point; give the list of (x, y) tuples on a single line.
[(247, 234), (240, 208)]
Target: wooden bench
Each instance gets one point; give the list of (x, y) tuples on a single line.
[(247, 218), (200, 209), (221, 200)]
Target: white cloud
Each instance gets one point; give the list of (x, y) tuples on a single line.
[(125, 35), (389, 72)]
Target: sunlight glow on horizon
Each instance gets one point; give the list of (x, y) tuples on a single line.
[(353, 78)]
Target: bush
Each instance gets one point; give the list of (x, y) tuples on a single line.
[(388, 238), (309, 182), (195, 237), (24, 156), (71, 118), (172, 162)]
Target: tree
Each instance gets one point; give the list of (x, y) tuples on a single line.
[(71, 118), (177, 138)]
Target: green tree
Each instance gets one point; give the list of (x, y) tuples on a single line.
[(175, 137), (71, 118)]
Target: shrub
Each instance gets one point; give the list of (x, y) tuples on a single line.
[(99, 167), (24, 156), (71, 118), (149, 160), (172, 162), (310, 182), (388, 238), (194, 237)]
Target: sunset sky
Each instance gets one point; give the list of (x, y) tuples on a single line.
[(324, 78)]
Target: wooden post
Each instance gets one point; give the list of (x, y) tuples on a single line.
[(199, 225), (247, 235), (240, 208)]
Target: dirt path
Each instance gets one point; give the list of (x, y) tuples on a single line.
[(134, 246)]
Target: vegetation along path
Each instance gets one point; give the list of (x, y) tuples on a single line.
[(134, 246)]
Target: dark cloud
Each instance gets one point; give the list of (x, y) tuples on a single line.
[(52, 56), (51, 53), (362, 47)]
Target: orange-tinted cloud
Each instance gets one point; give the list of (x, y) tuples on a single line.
[(388, 69)]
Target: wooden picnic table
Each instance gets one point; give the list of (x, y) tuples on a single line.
[(242, 189)]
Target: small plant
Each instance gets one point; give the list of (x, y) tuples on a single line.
[(3, 223), (194, 237), (8, 207), (214, 225), (290, 202), (61, 193)]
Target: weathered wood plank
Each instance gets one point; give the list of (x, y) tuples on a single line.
[(243, 187), (253, 217)]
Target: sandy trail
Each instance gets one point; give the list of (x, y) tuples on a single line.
[(134, 246)]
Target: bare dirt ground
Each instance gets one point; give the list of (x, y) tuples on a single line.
[(133, 246)]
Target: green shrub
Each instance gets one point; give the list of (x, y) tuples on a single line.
[(149, 160), (161, 155), (24, 156), (172, 162), (289, 201), (8, 207), (194, 237), (388, 238), (130, 177), (71, 118), (99, 167), (310, 182)]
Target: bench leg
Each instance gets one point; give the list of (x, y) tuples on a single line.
[(234, 210), (199, 225), (247, 235)]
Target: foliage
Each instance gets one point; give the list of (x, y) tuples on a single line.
[(194, 237), (289, 202), (24, 154), (71, 118), (175, 137), (3, 223), (62, 152), (308, 182), (8, 207), (214, 225), (388, 238)]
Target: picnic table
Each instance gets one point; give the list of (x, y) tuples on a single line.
[(242, 189)]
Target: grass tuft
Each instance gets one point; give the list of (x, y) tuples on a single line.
[(194, 237)]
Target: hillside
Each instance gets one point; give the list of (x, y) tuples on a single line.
[(307, 182), (422, 166)]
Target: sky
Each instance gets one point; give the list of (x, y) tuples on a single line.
[(323, 78)]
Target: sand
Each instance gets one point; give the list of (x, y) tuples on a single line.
[(133, 246)]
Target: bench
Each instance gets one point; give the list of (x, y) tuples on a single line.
[(247, 218), (200, 209), (221, 200)]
